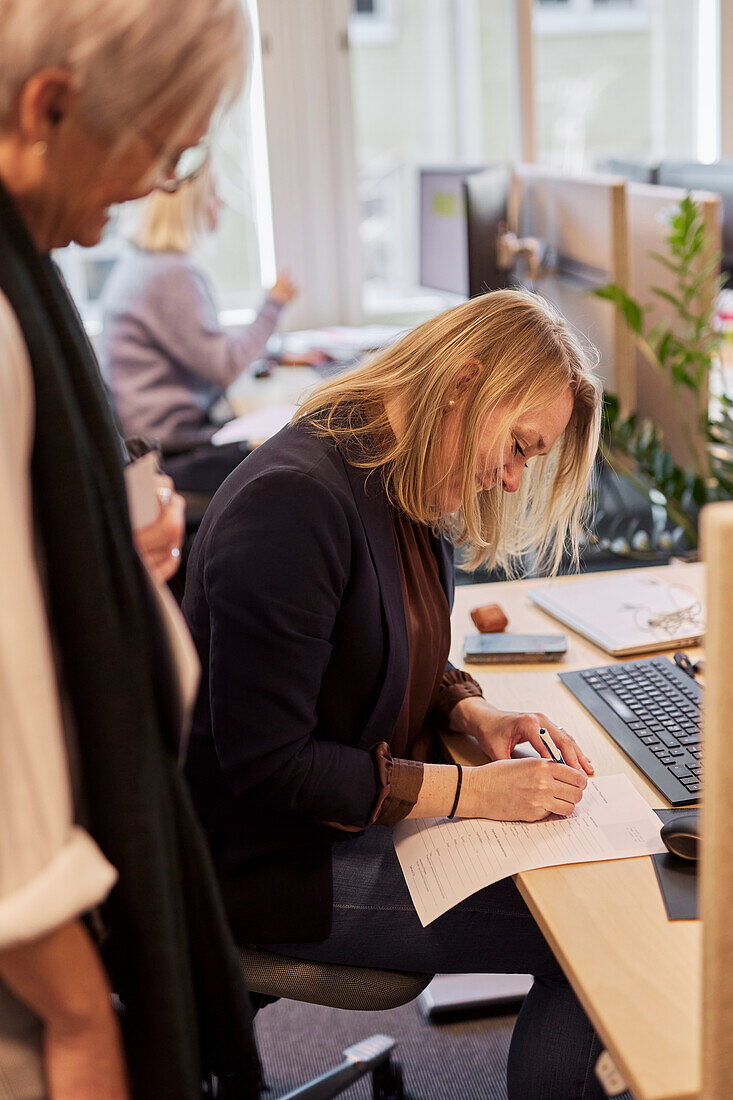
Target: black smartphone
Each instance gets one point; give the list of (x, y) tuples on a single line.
[(491, 649)]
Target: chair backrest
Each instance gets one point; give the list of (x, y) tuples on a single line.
[(355, 987)]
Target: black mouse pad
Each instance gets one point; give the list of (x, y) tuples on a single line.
[(677, 879)]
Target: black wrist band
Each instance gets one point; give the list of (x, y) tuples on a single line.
[(458, 791)]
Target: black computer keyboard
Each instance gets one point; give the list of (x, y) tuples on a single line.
[(652, 710)]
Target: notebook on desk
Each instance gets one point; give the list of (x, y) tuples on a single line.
[(626, 614)]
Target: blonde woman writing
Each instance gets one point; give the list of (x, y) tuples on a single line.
[(319, 594), (163, 353)]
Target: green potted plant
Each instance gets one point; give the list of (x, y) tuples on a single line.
[(683, 352)]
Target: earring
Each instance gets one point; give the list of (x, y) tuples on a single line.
[(40, 148), (451, 404)]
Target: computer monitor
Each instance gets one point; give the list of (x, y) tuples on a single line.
[(486, 197), (443, 236), (637, 170), (718, 177), (580, 222), (647, 212)]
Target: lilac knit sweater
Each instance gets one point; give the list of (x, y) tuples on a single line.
[(162, 351)]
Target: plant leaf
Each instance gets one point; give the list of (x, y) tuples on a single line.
[(673, 300), (631, 310)]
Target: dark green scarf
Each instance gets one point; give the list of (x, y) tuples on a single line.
[(168, 949)]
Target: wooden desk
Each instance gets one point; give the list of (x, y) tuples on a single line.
[(637, 974)]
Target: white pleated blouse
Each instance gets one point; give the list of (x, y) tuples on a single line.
[(51, 870)]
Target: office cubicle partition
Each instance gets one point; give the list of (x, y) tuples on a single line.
[(717, 835), (581, 224), (591, 230), (718, 178), (647, 210)]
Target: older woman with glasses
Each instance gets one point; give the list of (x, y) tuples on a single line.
[(104, 882)]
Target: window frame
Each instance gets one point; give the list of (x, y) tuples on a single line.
[(374, 28), (550, 17)]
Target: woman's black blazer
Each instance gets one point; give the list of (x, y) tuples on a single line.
[(294, 600)]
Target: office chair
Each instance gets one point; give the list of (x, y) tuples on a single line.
[(270, 976), (201, 467)]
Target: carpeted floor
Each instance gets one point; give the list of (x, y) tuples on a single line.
[(456, 1061), (462, 1060)]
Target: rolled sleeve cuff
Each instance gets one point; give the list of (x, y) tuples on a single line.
[(77, 878), (398, 787), (455, 685)]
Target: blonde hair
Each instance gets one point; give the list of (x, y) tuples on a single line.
[(134, 62), (172, 222), (524, 356)]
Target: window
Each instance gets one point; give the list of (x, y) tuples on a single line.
[(579, 16), (615, 78), (440, 93), (372, 21)]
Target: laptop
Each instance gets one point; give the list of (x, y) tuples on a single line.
[(627, 614)]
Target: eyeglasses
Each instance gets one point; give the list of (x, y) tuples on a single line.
[(185, 168), (172, 171)]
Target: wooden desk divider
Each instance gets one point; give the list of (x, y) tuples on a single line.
[(582, 218), (717, 845), (647, 394)]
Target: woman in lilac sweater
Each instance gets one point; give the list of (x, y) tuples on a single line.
[(163, 353)]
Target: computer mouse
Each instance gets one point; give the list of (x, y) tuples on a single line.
[(682, 834)]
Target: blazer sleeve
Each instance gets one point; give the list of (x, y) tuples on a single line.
[(277, 563)]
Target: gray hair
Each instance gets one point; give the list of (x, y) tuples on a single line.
[(134, 61)]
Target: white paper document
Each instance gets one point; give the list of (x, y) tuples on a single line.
[(141, 483), (446, 861), (256, 426)]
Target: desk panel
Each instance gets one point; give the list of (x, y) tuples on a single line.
[(637, 974)]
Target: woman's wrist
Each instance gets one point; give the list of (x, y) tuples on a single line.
[(61, 977), (438, 791), (468, 713), (476, 795), (440, 785)]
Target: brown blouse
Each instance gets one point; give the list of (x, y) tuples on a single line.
[(431, 691)]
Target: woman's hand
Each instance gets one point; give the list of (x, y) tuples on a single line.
[(520, 790), (498, 732), (159, 544), (284, 290)]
